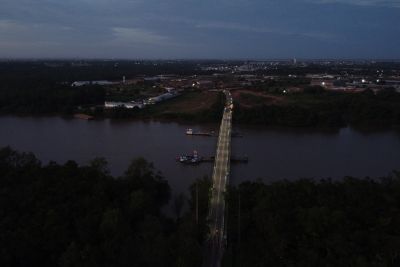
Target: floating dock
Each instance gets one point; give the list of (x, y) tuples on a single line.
[(82, 116)]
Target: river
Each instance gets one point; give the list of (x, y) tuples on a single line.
[(274, 154)]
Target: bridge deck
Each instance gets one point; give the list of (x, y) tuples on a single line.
[(220, 179)]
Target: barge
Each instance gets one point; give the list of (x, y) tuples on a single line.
[(190, 159)]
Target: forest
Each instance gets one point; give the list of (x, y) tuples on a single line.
[(316, 107), (41, 87), (351, 222), (70, 215)]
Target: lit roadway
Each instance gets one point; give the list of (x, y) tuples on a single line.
[(216, 242)]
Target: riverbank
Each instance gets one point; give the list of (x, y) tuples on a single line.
[(311, 108), (191, 106)]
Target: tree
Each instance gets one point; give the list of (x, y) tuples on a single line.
[(179, 202)]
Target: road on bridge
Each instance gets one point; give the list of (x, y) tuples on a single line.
[(216, 242)]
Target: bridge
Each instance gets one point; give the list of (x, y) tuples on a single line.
[(216, 243)]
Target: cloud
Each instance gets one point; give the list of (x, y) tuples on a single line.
[(138, 36), (27, 32), (220, 25), (173, 28), (381, 3), (8, 25)]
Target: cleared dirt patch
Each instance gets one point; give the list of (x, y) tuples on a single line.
[(250, 98), (190, 102)]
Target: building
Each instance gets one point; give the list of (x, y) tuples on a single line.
[(394, 83), (169, 89), (160, 98), (82, 83), (128, 105)]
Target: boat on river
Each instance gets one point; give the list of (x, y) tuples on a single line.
[(190, 159)]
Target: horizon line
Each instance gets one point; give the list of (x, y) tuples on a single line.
[(191, 59)]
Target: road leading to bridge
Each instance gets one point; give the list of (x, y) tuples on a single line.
[(216, 242)]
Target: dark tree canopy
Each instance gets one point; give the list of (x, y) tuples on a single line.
[(70, 215), (352, 222), (320, 108)]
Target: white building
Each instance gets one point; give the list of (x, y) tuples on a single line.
[(82, 83), (169, 89), (129, 105), (156, 99)]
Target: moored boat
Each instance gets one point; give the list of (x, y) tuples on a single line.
[(190, 159)]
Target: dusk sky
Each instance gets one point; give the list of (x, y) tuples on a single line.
[(254, 29)]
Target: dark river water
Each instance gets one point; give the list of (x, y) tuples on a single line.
[(274, 154)]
